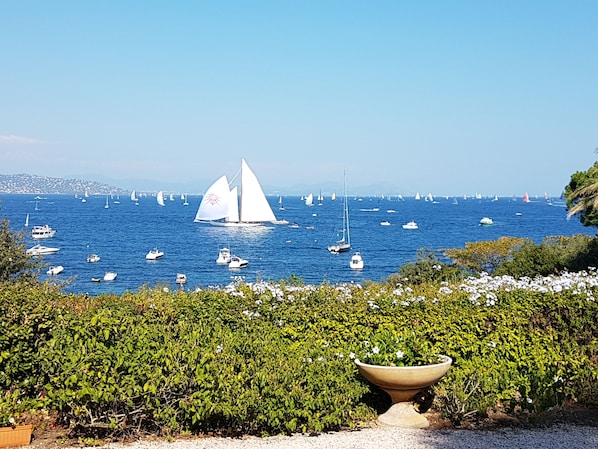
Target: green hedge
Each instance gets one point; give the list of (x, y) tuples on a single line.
[(275, 358)]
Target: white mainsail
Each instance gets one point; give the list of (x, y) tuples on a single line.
[(254, 204), (221, 202), (160, 198), (309, 200)]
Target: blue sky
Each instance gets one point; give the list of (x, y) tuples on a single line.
[(449, 97)]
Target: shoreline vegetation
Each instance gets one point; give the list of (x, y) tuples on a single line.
[(265, 359)]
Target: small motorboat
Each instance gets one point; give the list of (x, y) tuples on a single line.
[(181, 278), (109, 276), (39, 250), (486, 221), (96, 279), (223, 256), (154, 254), (93, 258), (411, 225), (356, 261), (384, 223), (57, 269), (237, 262)]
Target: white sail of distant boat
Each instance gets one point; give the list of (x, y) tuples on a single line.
[(309, 200), (344, 244), (86, 194), (184, 198), (107, 205), (417, 196), (172, 197), (160, 198), (281, 206), (133, 195), (526, 198), (27, 221), (333, 196), (320, 199), (220, 204)]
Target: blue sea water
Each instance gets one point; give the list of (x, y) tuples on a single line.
[(123, 233)]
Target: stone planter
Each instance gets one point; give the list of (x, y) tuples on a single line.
[(15, 436), (402, 383)]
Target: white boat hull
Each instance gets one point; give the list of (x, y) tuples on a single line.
[(53, 271)]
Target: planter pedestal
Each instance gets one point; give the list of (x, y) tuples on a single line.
[(15, 436), (402, 414), (402, 383)]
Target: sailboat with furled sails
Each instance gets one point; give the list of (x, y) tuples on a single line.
[(344, 244), (220, 205)]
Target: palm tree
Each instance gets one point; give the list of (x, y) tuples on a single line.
[(585, 196), (582, 195)]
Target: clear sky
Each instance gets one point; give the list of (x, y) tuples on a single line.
[(449, 97)]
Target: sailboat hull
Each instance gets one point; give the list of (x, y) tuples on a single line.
[(339, 248), (230, 224)]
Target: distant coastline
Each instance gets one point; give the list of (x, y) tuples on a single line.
[(34, 184)]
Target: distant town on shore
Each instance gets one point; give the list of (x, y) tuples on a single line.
[(25, 183)]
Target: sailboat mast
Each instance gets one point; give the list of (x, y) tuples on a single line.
[(346, 218)]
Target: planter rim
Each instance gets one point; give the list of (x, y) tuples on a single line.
[(445, 360)]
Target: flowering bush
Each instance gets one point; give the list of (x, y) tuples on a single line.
[(388, 349), (9, 407)]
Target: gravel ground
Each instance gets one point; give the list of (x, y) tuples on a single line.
[(556, 437)]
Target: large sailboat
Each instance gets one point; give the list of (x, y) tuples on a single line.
[(344, 244), (220, 205)]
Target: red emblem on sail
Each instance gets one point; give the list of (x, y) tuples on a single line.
[(212, 199)]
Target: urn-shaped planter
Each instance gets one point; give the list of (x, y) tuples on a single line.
[(402, 383), (12, 436)]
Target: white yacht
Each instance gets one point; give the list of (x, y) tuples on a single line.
[(223, 256), (411, 225), (93, 258), (486, 221), (109, 276), (42, 232), (154, 254), (356, 261), (39, 250), (181, 278), (237, 262), (57, 269)]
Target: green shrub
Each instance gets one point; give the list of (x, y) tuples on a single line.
[(278, 358)]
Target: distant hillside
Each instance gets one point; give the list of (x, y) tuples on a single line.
[(24, 183)]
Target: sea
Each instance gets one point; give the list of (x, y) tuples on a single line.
[(123, 233)]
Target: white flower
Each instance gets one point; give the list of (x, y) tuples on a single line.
[(351, 355), (376, 350), (218, 349), (400, 354), (11, 421)]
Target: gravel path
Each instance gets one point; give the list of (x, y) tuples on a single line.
[(557, 437)]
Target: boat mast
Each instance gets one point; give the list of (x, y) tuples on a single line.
[(346, 216)]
